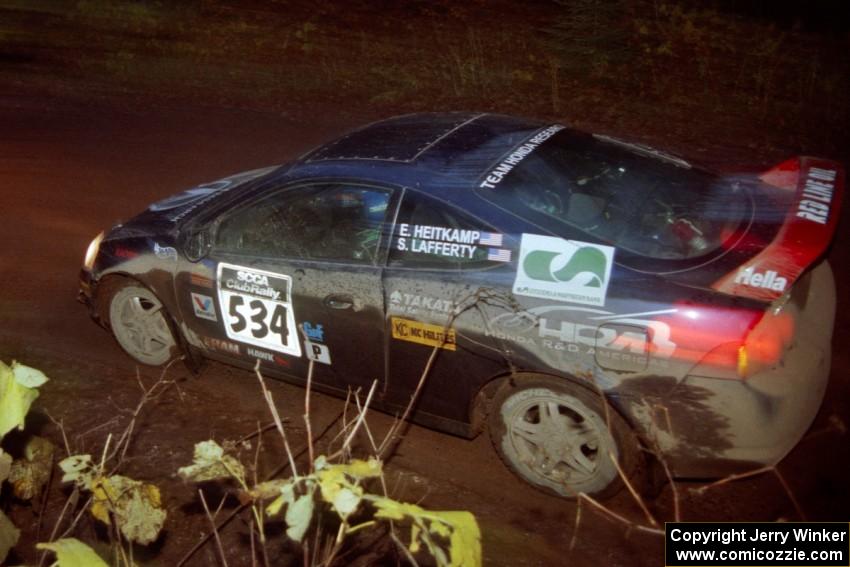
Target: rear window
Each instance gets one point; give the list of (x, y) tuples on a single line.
[(626, 195)]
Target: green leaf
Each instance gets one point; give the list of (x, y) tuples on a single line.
[(320, 463), (299, 515), (29, 475), (286, 495), (346, 502), (15, 400), (210, 463), (8, 536), (29, 377), (78, 469), (71, 552)]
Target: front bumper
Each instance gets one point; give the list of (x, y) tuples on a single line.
[(85, 295)]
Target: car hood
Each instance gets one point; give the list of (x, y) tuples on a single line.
[(171, 211)]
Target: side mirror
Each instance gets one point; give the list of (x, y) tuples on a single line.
[(197, 244)]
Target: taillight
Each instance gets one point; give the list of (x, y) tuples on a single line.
[(765, 344), (728, 343)]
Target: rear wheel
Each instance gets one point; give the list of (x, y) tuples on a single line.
[(138, 321), (554, 434)]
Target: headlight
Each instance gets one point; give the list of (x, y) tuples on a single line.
[(91, 252)]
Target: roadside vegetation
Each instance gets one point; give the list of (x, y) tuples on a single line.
[(335, 508), (693, 72)]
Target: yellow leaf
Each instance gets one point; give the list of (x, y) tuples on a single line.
[(465, 541), (414, 537), (135, 506), (459, 527), (211, 463), (102, 496), (360, 469), (8, 536), (5, 465), (29, 475), (15, 400), (71, 552), (273, 508)]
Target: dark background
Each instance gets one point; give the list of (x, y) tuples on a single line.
[(107, 106)]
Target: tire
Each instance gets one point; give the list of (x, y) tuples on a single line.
[(138, 322), (553, 434)]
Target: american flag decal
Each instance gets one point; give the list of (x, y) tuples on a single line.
[(490, 239), (499, 254)]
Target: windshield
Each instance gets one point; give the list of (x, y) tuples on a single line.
[(627, 195)]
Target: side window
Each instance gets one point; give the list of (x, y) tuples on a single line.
[(318, 222), (431, 234)]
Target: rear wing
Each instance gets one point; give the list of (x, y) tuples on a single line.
[(806, 232)]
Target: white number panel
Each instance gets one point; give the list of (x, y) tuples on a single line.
[(257, 308)]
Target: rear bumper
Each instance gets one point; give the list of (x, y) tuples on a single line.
[(733, 425)]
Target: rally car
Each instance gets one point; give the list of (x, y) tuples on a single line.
[(591, 301)]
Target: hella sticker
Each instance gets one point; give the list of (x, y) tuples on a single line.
[(765, 280)]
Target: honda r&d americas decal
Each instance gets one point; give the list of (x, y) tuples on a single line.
[(565, 270)]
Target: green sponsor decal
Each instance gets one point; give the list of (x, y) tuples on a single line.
[(538, 266)]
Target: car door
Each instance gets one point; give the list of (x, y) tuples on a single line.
[(446, 272), (296, 277)]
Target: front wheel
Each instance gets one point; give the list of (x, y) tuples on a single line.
[(554, 434), (138, 321)]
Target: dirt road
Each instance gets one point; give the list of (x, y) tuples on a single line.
[(66, 172)]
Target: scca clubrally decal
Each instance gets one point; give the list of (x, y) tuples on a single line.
[(257, 308)]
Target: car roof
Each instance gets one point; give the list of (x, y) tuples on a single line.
[(427, 150)]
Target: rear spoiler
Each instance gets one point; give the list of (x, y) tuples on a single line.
[(806, 232)]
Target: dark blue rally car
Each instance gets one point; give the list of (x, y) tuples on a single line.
[(590, 300)]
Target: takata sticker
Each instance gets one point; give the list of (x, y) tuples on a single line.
[(423, 333), (412, 304), (203, 306), (257, 308), (566, 270)]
